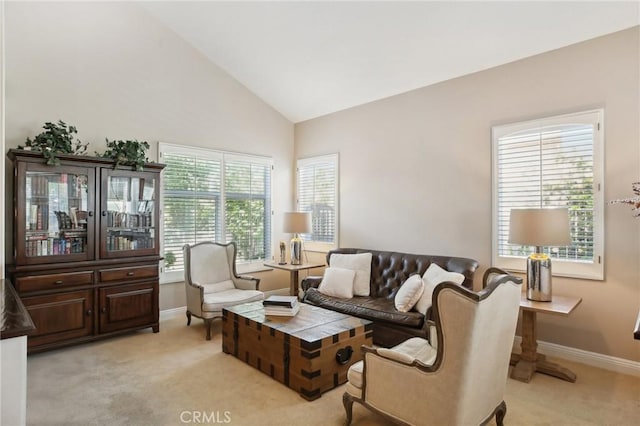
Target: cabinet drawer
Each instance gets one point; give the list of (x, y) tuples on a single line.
[(129, 273), (53, 281)]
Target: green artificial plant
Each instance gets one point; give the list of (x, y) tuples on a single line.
[(56, 139), (169, 259), (132, 153)]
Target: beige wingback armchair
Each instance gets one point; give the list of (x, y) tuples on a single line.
[(212, 283), (462, 381)]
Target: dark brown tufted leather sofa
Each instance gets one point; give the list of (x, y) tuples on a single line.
[(388, 271)]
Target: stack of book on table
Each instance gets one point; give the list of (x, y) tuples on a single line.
[(286, 306)]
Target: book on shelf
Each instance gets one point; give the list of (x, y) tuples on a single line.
[(284, 301), (281, 310)]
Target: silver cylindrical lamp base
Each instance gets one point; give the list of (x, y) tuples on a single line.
[(539, 277)]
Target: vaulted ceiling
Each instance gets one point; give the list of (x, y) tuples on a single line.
[(311, 58)]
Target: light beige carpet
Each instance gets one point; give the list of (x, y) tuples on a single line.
[(175, 377)]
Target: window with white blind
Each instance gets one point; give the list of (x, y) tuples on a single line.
[(214, 196), (552, 162), (317, 192)]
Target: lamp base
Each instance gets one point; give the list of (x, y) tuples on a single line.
[(539, 277), (296, 250)]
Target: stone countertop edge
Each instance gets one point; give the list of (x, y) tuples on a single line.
[(15, 321)]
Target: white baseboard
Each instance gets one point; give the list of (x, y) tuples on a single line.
[(607, 362), (172, 313)]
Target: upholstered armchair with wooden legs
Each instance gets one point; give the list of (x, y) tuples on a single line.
[(212, 283), (462, 381)]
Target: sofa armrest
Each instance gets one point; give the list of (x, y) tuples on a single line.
[(310, 282)]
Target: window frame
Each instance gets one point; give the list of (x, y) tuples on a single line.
[(593, 270), (222, 156), (321, 246)]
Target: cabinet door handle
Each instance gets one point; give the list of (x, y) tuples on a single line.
[(104, 213), (89, 312), (58, 282), (90, 213), (129, 274), (104, 310)]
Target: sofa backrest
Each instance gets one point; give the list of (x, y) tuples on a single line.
[(390, 269)]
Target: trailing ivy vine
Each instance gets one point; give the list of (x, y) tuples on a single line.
[(127, 152), (56, 139)]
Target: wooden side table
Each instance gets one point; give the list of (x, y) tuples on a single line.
[(293, 269), (530, 361)]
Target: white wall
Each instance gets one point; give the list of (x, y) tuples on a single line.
[(415, 172), (13, 352), (114, 72)]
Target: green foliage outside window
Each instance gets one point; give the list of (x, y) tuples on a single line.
[(193, 209), (577, 195)]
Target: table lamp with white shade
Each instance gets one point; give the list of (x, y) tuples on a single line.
[(297, 223), (540, 228)]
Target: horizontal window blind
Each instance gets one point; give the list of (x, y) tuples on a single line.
[(545, 164), (248, 207), (317, 193), (214, 196), (191, 203)]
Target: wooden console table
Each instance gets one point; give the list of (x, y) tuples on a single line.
[(293, 269), (530, 361)]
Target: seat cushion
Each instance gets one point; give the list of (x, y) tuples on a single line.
[(416, 348), (218, 287), (371, 308), (354, 375), (216, 301), (353, 391)]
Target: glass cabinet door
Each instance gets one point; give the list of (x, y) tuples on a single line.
[(128, 219), (56, 214)]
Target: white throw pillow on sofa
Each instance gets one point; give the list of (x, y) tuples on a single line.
[(409, 293), (433, 276), (361, 264), (337, 282)]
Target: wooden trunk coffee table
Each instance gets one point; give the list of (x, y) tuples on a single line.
[(310, 352)]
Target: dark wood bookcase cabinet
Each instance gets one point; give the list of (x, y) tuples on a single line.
[(86, 247)]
